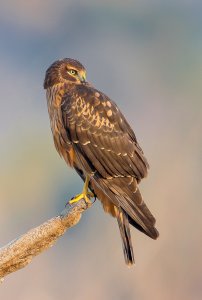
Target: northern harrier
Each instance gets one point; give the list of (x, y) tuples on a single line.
[(94, 138)]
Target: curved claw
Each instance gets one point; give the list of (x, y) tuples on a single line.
[(86, 195), (78, 197)]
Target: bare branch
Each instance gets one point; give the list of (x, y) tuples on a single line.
[(19, 252)]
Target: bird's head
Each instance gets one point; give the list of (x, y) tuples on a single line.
[(65, 70)]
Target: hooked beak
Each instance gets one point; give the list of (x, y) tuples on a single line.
[(82, 77)]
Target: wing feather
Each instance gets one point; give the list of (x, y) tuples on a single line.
[(103, 140), (98, 129)]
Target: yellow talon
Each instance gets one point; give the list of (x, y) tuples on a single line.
[(76, 198), (86, 195), (79, 197)]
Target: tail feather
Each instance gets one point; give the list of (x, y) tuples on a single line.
[(128, 207), (124, 228)]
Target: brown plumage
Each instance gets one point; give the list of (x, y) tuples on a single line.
[(93, 137)]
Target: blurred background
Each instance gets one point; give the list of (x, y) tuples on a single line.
[(147, 56)]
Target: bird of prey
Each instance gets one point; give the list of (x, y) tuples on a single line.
[(94, 138)]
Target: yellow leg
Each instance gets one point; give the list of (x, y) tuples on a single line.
[(86, 195)]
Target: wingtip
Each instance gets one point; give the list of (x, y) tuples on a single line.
[(154, 234)]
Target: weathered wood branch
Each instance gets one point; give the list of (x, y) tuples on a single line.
[(19, 252)]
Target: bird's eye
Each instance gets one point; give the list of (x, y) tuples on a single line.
[(72, 72)]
